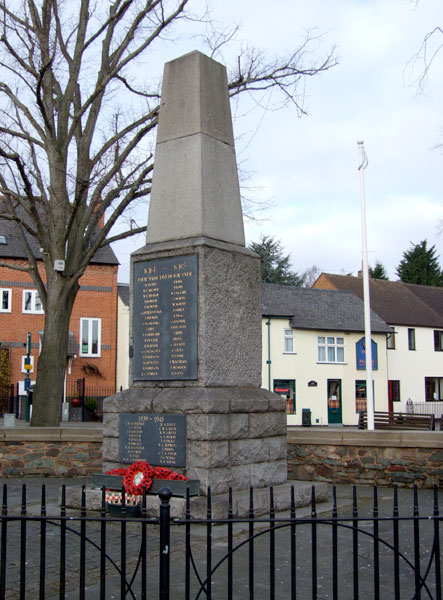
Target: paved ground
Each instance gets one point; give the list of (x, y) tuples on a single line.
[(262, 550)]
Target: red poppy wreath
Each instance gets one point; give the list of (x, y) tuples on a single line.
[(138, 476)]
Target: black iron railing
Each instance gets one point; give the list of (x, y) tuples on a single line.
[(93, 555)]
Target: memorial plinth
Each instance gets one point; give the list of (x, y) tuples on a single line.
[(195, 341)]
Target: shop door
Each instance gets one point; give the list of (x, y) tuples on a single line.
[(334, 402)]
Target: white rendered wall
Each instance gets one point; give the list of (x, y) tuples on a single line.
[(411, 367), (122, 376), (303, 366)]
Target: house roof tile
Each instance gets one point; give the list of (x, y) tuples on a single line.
[(329, 310), (14, 249), (396, 302)]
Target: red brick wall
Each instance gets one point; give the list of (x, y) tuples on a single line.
[(324, 283), (15, 325), (103, 305)]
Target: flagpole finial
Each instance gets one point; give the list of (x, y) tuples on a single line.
[(363, 157)]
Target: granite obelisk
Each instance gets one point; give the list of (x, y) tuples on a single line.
[(195, 299)]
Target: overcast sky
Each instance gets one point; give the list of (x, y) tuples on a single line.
[(306, 169)]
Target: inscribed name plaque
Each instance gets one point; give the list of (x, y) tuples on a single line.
[(165, 319), (158, 439)]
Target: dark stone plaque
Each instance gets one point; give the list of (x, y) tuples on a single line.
[(165, 319), (158, 439)]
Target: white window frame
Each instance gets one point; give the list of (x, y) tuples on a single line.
[(390, 340), (411, 339), (329, 344), (288, 341), (31, 362), (438, 340), (90, 324), (34, 303), (8, 293)]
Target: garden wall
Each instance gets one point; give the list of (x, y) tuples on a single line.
[(366, 457), (50, 451), (314, 454)]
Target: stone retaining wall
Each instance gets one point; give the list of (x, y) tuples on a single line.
[(314, 454), (366, 457), (43, 452)]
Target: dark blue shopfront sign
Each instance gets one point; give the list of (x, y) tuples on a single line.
[(361, 354)]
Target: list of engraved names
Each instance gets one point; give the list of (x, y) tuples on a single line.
[(165, 318), (158, 439)]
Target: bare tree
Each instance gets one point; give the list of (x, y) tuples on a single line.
[(426, 55), (76, 139), (424, 59), (311, 275)]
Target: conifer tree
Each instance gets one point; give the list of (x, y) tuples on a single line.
[(378, 272), (420, 265), (275, 266)]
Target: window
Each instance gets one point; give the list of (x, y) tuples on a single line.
[(411, 339), (289, 340), (286, 389), (394, 390), (24, 363), (3, 239), (5, 300), (390, 341), (360, 396), (331, 349), (90, 337), (32, 302), (434, 389), (438, 340)]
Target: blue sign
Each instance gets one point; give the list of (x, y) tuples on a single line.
[(361, 354)]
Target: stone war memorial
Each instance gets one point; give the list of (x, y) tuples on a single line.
[(194, 403)]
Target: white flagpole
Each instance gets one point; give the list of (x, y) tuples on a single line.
[(366, 298)]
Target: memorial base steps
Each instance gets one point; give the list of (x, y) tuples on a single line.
[(219, 502)]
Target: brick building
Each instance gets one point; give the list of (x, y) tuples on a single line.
[(93, 324)]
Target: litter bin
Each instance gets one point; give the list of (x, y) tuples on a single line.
[(306, 417)]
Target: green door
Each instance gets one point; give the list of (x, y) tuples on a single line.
[(334, 402)]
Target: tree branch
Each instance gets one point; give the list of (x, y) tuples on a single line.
[(123, 236), (426, 56), (15, 267)]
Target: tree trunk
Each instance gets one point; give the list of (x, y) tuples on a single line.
[(47, 400)]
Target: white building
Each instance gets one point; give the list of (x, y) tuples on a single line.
[(122, 370), (415, 349), (313, 354)]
